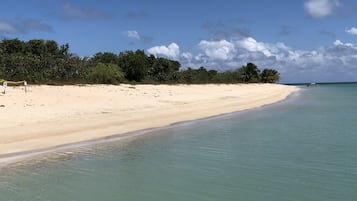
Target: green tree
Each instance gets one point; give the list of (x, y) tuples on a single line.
[(134, 64), (36, 47), (250, 73), (11, 46), (52, 48), (270, 76), (202, 75), (187, 76), (212, 75), (64, 51), (226, 77), (106, 57), (162, 70), (15, 67), (44, 61)]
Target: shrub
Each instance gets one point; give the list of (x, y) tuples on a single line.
[(105, 74)]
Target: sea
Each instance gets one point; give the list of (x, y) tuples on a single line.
[(301, 149)]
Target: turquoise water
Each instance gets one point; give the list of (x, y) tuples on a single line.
[(304, 148)]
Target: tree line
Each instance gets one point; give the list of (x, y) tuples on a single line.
[(46, 62)]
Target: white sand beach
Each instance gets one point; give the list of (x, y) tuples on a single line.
[(49, 116)]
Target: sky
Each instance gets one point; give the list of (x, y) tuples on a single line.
[(305, 40)]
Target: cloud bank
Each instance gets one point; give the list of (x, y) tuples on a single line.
[(336, 62)]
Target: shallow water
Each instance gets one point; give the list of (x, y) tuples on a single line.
[(304, 148)]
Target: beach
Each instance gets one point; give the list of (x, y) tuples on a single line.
[(50, 116)]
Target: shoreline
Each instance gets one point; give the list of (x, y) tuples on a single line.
[(41, 135), (18, 156)]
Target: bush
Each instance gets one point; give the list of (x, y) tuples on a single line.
[(105, 74)]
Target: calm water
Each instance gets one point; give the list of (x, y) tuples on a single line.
[(304, 148)]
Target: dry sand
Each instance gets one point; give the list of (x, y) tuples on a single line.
[(49, 116)]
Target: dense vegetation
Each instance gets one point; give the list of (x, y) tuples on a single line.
[(45, 62)]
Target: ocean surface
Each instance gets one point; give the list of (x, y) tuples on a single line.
[(304, 148)]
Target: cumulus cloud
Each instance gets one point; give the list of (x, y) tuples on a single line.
[(340, 43), (352, 31), (171, 51), (335, 62), (252, 45), (224, 55), (220, 50), (132, 34), (320, 8), (187, 55)]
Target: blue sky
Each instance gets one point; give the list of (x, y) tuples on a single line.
[(307, 41)]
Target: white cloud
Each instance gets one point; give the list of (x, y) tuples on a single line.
[(338, 42), (335, 62), (221, 50), (320, 8), (171, 51), (6, 27), (352, 31), (187, 55), (252, 45), (132, 34)]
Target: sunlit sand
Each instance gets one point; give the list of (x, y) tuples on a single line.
[(49, 116)]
